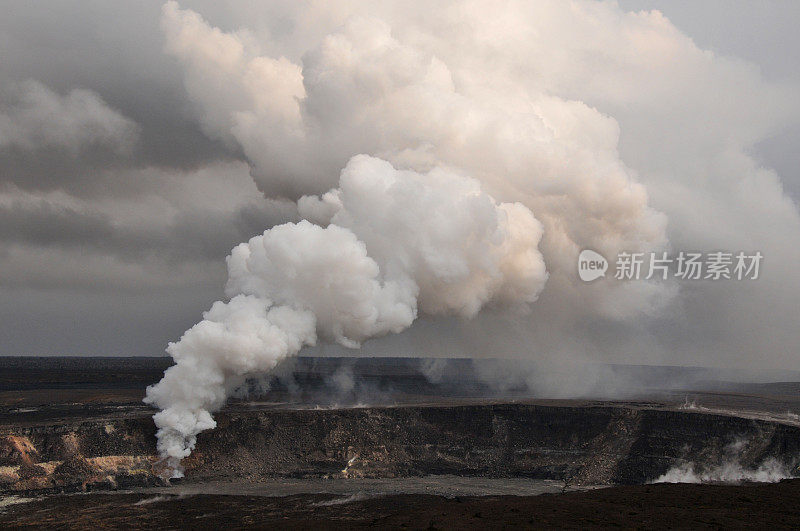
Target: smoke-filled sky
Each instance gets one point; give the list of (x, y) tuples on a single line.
[(141, 142)]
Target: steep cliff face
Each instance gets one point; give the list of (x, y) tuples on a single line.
[(592, 445), (78, 456), (579, 444)]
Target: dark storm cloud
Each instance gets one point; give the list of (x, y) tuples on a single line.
[(114, 50), (193, 235), (111, 56), (46, 224), (199, 235), (63, 321), (48, 169), (70, 271)]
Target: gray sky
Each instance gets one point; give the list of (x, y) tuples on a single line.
[(118, 203)]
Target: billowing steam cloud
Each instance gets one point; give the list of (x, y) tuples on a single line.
[(419, 99), (404, 233), (453, 131), (389, 243)]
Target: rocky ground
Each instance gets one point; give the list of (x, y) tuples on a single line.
[(77, 449), (674, 506), (583, 443)]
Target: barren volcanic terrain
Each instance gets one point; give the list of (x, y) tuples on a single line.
[(393, 446)]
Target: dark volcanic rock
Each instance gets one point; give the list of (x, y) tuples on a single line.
[(74, 469), (28, 471), (676, 506), (580, 444), (589, 445)]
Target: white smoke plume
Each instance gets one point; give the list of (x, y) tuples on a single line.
[(615, 128), (730, 469), (770, 471), (452, 130), (415, 98), (388, 245)]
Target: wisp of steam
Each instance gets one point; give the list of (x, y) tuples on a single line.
[(370, 256)]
